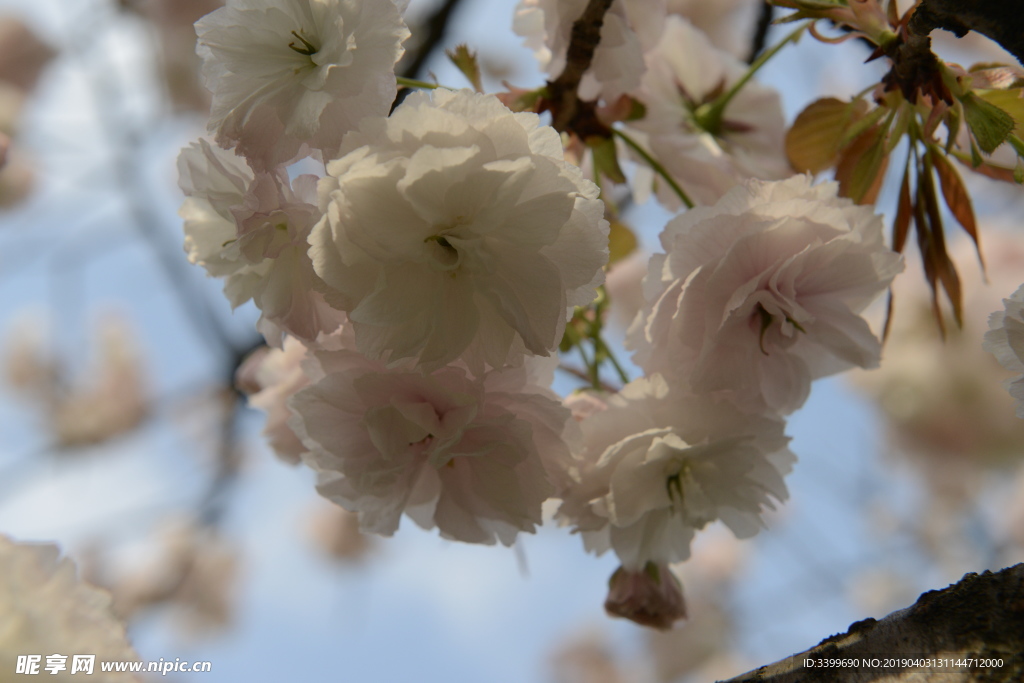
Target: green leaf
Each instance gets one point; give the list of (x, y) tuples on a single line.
[(1011, 101), (989, 124), (465, 61), (606, 161)]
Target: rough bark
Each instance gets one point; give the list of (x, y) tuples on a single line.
[(1000, 20), (981, 617)]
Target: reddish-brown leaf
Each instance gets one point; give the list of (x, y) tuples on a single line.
[(957, 198), (888, 316), (943, 266), (901, 225), (990, 171), (924, 244), (862, 166)]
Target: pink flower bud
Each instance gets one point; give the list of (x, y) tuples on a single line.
[(651, 596)]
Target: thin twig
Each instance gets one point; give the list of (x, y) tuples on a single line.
[(582, 374), (657, 167)]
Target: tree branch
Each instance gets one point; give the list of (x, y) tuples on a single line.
[(430, 34), (764, 22), (981, 617), (999, 20), (568, 112)]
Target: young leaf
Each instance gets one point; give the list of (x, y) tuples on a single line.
[(901, 225), (862, 166), (606, 160), (465, 61), (812, 144), (942, 265), (956, 196), (925, 246), (1011, 101), (989, 124)]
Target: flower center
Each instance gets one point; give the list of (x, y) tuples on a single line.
[(444, 256), (764, 320), (674, 485), (304, 46)]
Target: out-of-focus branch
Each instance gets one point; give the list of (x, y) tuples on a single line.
[(125, 141), (764, 22), (430, 35), (568, 112), (980, 618)]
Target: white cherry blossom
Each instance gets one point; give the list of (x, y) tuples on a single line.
[(455, 227), (252, 229), (287, 74), (474, 458), (270, 377), (762, 293), (685, 72), (660, 464)]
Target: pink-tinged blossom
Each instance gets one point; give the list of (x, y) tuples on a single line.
[(251, 229), (455, 228), (660, 464), (706, 155), (1005, 339), (474, 458), (651, 596), (289, 75), (271, 377), (630, 27), (762, 293)]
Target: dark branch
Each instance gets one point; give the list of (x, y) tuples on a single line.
[(764, 21), (980, 617), (999, 20), (429, 36), (568, 112), (915, 68)]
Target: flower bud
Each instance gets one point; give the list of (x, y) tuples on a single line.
[(652, 596)]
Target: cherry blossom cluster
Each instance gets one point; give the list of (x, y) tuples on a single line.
[(416, 293)]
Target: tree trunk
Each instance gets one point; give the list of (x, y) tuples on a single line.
[(972, 631)]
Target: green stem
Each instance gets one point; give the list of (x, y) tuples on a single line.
[(710, 119), (593, 372), (413, 83), (658, 168), (599, 344)]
